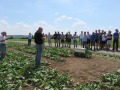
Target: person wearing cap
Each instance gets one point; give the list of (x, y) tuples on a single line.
[(38, 36), (3, 38)]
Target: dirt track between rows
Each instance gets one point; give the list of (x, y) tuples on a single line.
[(85, 70)]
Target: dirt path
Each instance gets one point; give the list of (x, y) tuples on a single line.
[(85, 70)]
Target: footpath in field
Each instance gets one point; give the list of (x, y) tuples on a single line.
[(85, 70)]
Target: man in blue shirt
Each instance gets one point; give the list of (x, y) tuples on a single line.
[(115, 39)]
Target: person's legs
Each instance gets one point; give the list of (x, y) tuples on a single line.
[(38, 55), (55, 40), (2, 51), (85, 43), (28, 42), (59, 42), (116, 44), (81, 42), (113, 44), (74, 43)]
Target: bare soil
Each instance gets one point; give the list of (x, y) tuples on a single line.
[(85, 70)]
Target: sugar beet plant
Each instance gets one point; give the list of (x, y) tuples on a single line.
[(17, 72), (109, 81), (53, 53)]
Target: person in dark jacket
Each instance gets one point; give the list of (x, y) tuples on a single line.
[(38, 36), (116, 39), (55, 39)]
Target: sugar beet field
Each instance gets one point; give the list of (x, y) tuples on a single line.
[(59, 70)]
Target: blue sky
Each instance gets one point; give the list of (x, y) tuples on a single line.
[(24, 16)]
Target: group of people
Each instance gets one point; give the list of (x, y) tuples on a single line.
[(96, 41), (100, 40)]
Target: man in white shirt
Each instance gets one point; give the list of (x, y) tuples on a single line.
[(3, 37)]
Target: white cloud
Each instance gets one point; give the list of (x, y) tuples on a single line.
[(3, 22), (63, 17), (63, 23)]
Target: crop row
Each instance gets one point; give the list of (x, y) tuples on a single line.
[(53, 53), (108, 56), (18, 72), (109, 81)]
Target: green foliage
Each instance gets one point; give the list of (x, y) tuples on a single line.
[(11, 37), (88, 52), (108, 56), (53, 53), (109, 81), (17, 71)]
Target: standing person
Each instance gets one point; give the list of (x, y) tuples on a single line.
[(115, 39), (104, 38), (88, 39), (81, 38), (69, 36), (96, 40), (62, 39), (109, 40), (99, 39), (75, 36), (38, 36), (3, 37), (66, 39), (49, 36), (44, 37), (84, 40), (58, 39), (55, 39), (92, 41), (29, 39)]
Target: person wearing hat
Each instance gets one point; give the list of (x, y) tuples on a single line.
[(3, 37), (38, 37)]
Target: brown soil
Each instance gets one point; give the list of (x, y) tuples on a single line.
[(85, 70)]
